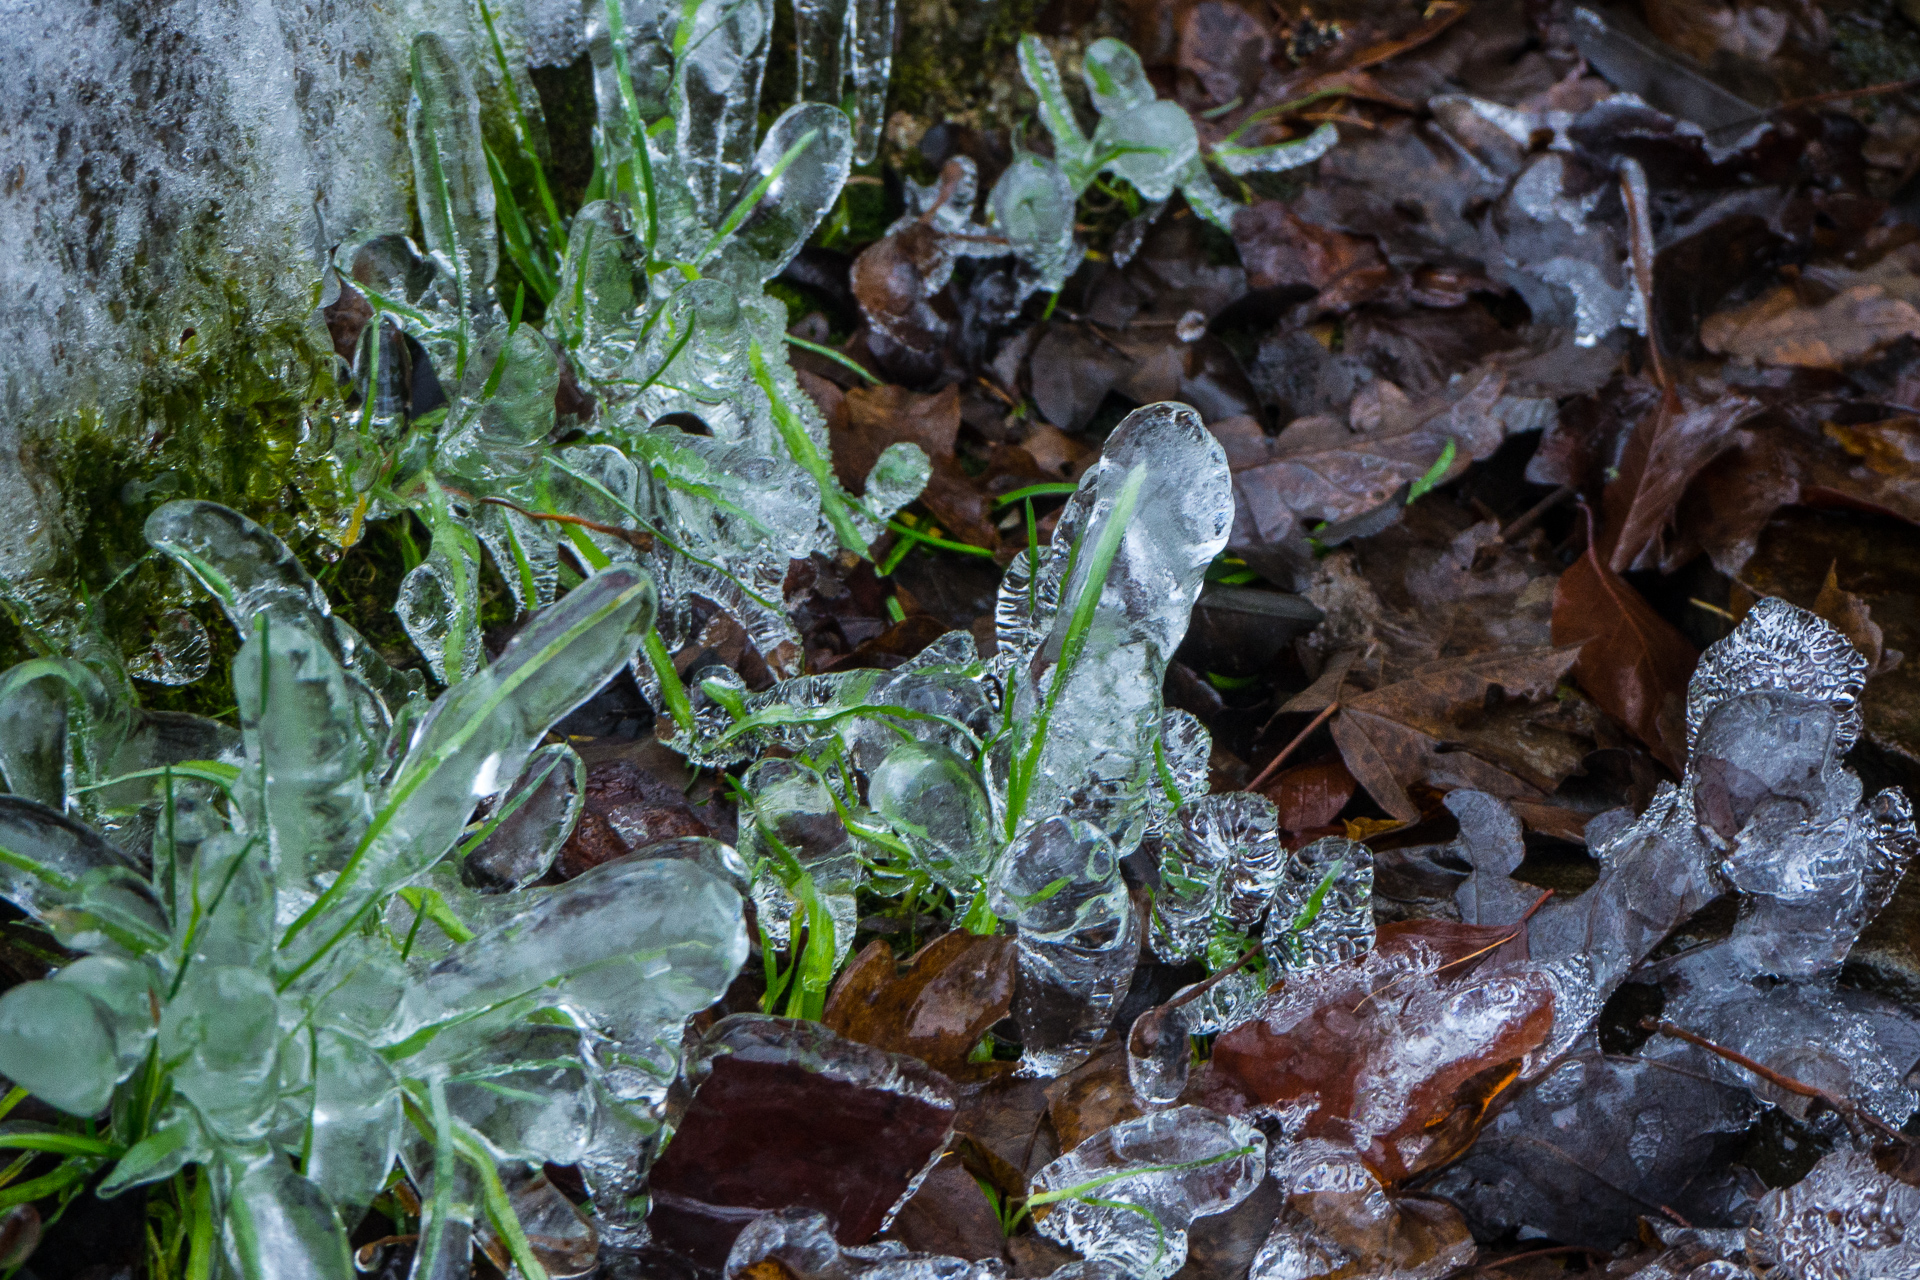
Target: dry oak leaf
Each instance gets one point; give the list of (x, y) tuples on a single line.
[(1868, 310), (1322, 469), (1467, 722), (936, 1008), (1632, 662)]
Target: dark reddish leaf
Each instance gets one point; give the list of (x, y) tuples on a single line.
[(949, 1215), (1311, 795), (1390, 1057), (1280, 250), (1632, 662), (936, 1008), (880, 416), (784, 1114), (626, 808), (1852, 617)]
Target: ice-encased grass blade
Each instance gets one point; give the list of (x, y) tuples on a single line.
[(475, 741), (720, 55), (249, 571), (278, 1226), (1071, 147), (454, 189), (307, 751), (1278, 156), (871, 46), (666, 922), (797, 173)]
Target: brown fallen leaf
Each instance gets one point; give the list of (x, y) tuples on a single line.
[(1868, 310), (1476, 721), (1323, 469), (1632, 662), (876, 417), (937, 1008), (1670, 446), (1280, 249), (1388, 1056), (1852, 617), (1095, 1095)]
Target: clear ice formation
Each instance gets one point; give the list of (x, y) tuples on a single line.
[(656, 309), (1079, 939), (1846, 1220), (541, 1026), (1127, 1194), (800, 1243), (1351, 1226), (1149, 142), (1021, 782), (1765, 809)]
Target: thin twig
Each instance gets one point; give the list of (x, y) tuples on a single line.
[(1530, 1254), (1845, 1108), (640, 540), (1287, 750), (1536, 513)]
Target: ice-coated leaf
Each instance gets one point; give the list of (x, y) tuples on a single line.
[(477, 738), (124, 988), (932, 797), (800, 1243), (802, 162), (532, 821), (1846, 1220), (786, 1113), (1115, 79), (308, 755), (58, 1043), (1387, 1054), (279, 1226), (1129, 1193), (44, 854), (356, 1120), (453, 188), (221, 1032), (1150, 145), (1033, 206), (664, 925)]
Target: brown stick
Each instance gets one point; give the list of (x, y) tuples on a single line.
[(1845, 1108), (1287, 750), (1536, 513), (638, 539)]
